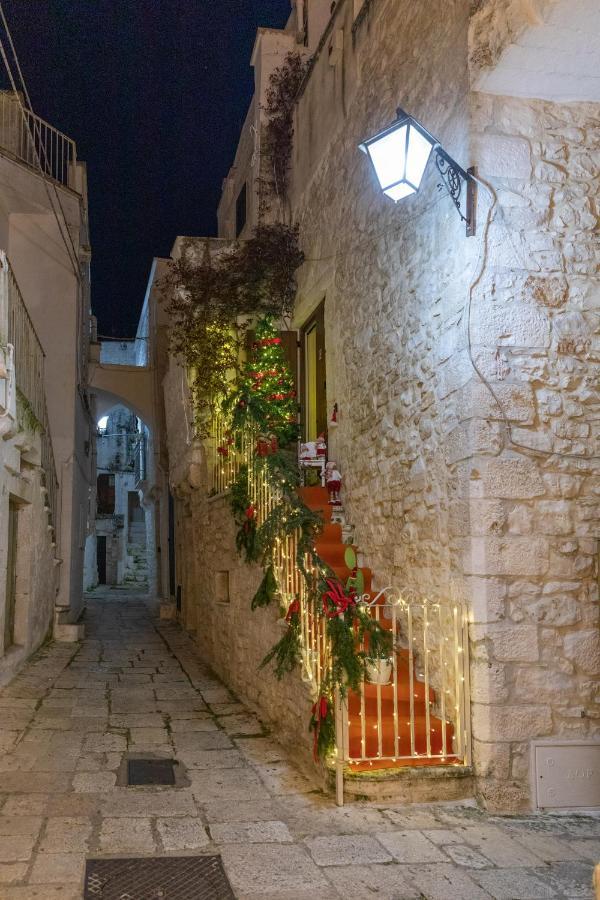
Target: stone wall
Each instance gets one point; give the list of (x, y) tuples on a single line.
[(535, 516), (466, 375), (217, 587), (37, 567), (444, 500)]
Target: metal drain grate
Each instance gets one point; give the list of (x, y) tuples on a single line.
[(166, 878), (150, 771)]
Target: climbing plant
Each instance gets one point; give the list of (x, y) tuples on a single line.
[(284, 86), (212, 300)]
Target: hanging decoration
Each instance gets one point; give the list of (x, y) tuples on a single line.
[(267, 590), (322, 725)]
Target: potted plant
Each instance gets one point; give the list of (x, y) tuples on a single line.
[(379, 660), (379, 669)]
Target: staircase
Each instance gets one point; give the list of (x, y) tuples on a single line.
[(136, 572), (330, 547)]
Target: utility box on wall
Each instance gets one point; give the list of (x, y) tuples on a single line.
[(567, 775)]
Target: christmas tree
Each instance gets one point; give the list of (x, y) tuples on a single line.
[(266, 395)]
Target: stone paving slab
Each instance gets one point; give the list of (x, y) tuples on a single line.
[(136, 685)]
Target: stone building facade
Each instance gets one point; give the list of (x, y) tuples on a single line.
[(465, 369), (46, 454)]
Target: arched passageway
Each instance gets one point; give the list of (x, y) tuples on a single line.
[(121, 549)]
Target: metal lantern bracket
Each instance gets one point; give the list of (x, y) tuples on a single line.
[(453, 177)]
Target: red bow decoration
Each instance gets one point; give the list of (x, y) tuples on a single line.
[(293, 610), (249, 517), (319, 714), (223, 451), (335, 601)]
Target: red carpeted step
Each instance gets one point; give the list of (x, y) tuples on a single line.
[(369, 765), (388, 745), (387, 693)]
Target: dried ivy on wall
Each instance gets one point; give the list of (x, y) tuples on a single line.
[(278, 134)]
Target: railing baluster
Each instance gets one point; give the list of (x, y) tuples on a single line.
[(395, 677), (442, 642), (411, 680), (426, 675)]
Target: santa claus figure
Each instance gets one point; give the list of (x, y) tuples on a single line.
[(333, 481), (321, 446)]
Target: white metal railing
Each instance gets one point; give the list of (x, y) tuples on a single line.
[(29, 376), (223, 468), (34, 141), (423, 712)]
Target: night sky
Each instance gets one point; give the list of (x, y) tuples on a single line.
[(154, 92)]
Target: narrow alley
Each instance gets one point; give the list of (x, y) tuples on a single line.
[(135, 687)]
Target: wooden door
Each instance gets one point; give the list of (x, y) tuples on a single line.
[(314, 376)]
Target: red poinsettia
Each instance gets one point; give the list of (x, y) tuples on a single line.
[(335, 600), (293, 610)]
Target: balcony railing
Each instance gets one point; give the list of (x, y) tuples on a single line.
[(35, 142), (422, 714), (29, 377)]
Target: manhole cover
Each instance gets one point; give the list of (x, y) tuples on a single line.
[(150, 771), (168, 878)]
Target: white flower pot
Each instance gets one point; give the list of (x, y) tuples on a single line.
[(379, 671)]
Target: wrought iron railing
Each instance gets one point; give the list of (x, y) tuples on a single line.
[(422, 712), (29, 377), (35, 142)]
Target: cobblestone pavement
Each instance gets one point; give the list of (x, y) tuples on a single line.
[(69, 717)]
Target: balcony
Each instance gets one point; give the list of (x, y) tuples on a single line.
[(32, 141), (25, 397)]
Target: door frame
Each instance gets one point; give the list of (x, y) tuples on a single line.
[(316, 319)]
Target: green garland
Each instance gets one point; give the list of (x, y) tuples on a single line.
[(286, 652), (267, 590), (244, 514), (322, 725), (263, 404)]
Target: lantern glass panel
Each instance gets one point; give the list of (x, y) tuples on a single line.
[(399, 191), (388, 155), (419, 149)]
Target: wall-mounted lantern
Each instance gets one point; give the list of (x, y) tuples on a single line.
[(400, 154)]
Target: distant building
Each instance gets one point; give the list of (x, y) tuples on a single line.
[(117, 553), (128, 544)]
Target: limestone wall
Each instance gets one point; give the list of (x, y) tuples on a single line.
[(465, 372), (444, 500), (217, 587), (37, 567), (535, 517)]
